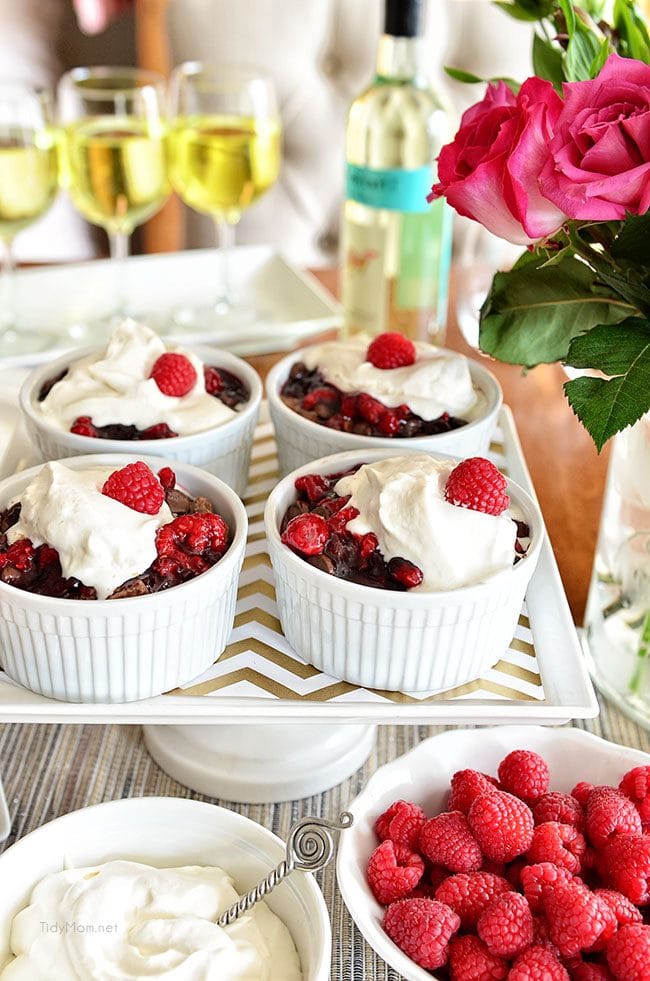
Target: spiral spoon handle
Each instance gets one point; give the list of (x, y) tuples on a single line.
[(310, 846)]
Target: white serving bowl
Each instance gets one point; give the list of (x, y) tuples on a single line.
[(124, 649), (168, 832), (223, 451), (423, 776), (396, 641), (300, 440)]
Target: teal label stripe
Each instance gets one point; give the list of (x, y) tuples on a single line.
[(392, 188)]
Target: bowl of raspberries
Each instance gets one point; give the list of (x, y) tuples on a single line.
[(517, 853)]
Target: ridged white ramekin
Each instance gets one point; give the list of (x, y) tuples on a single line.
[(224, 451), (300, 440), (124, 649), (396, 641)]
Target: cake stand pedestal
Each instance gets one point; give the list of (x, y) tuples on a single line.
[(260, 764)]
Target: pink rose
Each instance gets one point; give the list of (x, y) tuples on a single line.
[(491, 170), (600, 165)]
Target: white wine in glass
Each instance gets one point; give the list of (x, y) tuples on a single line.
[(28, 186), (115, 152), (225, 153)]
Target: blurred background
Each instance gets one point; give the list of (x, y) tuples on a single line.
[(320, 54)]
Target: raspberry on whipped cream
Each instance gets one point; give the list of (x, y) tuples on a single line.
[(147, 922), (401, 500), (436, 382), (116, 388)]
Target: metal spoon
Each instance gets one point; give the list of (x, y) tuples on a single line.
[(310, 846)]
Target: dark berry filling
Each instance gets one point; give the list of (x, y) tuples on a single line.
[(315, 527), (221, 384), (310, 395), (192, 542)]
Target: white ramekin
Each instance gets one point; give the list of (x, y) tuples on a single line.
[(169, 832), (396, 641), (300, 440), (224, 451), (125, 649)]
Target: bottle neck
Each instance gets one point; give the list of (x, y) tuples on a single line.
[(398, 58)]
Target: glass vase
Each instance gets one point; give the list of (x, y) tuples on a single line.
[(617, 620)]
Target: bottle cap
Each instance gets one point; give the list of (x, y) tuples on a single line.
[(404, 18)]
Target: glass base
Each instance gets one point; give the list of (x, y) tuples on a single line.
[(220, 321), (631, 704), (20, 342)]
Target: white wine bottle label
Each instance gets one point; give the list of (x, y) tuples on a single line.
[(393, 189)]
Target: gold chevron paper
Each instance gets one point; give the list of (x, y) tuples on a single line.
[(259, 663)]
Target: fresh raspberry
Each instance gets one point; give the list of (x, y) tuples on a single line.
[(402, 823), (541, 935), (506, 926), (391, 350), (190, 535), (576, 917), (83, 426), (313, 487), (537, 964), (388, 424), (560, 844), (167, 478), (558, 807), (582, 791), (620, 905), (213, 380), (513, 871), (502, 825), (406, 573), (469, 894), (636, 785), (159, 431), (369, 544), (370, 409), (589, 971), (447, 840), (135, 486), (537, 879), (174, 374), (477, 484), (524, 773), (307, 533), (311, 399), (422, 929), (628, 953), (625, 864), (470, 960), (610, 813), (393, 871), (466, 785), (437, 874)]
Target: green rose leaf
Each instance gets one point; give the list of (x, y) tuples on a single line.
[(525, 10), (533, 311), (633, 241), (607, 405), (584, 46), (548, 62), (634, 41), (462, 76)]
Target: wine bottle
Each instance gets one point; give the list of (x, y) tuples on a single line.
[(396, 247)]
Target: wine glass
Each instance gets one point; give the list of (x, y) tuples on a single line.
[(28, 185), (114, 153), (225, 153)]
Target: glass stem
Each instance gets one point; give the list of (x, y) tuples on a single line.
[(7, 270), (225, 241), (119, 248)]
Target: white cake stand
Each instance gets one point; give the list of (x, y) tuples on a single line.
[(260, 764)]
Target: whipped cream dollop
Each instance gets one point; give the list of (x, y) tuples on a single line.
[(438, 381), (114, 387), (402, 500), (131, 921), (100, 541)]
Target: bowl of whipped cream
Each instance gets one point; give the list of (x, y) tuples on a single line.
[(109, 400), (134, 888), (444, 402), (473, 569)]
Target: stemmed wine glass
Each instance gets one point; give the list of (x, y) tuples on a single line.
[(28, 185), (225, 153), (115, 153)]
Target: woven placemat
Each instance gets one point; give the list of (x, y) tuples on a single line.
[(50, 770)]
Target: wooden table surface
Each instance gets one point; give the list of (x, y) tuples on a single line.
[(568, 473)]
